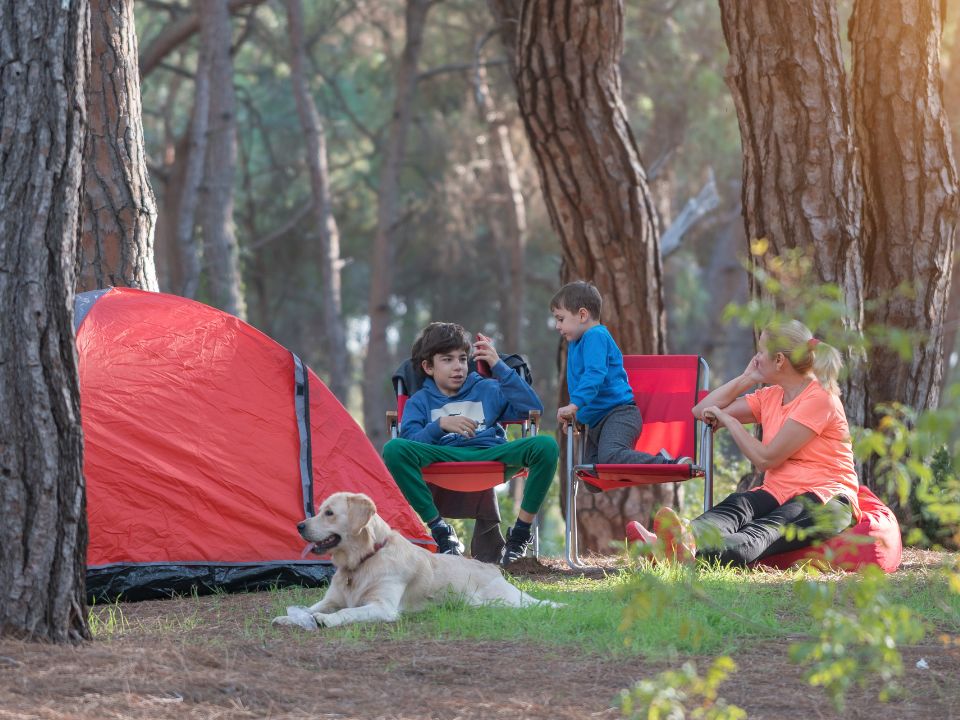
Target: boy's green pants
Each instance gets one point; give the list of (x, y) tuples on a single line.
[(405, 459)]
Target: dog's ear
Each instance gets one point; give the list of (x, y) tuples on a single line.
[(360, 509)]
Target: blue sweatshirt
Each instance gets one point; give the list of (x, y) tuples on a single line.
[(486, 400), (595, 376)]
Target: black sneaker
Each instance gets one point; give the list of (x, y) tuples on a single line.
[(447, 541), (516, 546)]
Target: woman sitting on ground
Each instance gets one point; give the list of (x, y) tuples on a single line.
[(810, 482)]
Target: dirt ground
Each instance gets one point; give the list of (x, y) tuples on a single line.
[(208, 668)]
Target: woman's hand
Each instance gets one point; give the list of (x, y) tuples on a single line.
[(752, 371), (715, 417)]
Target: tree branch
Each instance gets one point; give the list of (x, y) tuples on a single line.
[(177, 33)]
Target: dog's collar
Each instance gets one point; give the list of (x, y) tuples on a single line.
[(376, 548)]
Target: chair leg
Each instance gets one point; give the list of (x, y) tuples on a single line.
[(536, 535), (708, 473), (572, 540)]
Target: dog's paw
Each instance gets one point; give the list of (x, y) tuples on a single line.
[(296, 616), (324, 619)]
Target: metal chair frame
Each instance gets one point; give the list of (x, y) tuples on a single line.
[(703, 466)]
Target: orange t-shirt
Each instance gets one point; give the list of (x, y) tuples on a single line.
[(824, 466)]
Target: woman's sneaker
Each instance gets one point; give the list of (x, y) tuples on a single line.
[(516, 546), (447, 541)]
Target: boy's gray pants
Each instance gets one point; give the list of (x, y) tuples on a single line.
[(611, 440)]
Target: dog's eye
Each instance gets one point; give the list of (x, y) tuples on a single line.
[(328, 513)]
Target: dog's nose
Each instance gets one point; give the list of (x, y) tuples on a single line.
[(301, 526)]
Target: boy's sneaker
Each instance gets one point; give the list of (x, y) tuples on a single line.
[(516, 546), (447, 541), (668, 459)]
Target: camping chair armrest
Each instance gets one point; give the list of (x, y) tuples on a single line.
[(392, 423)]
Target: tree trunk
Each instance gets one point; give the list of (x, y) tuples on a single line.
[(376, 370), (910, 185), (951, 102), (595, 188), (44, 55), (188, 247), (168, 253), (334, 332), (506, 14), (116, 245), (800, 177), (216, 214), (508, 215)]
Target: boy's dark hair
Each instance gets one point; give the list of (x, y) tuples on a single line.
[(436, 338), (576, 295)]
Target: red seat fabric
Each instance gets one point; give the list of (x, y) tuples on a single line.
[(665, 389), (465, 476), (875, 540)]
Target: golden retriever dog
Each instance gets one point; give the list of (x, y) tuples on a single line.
[(379, 573)]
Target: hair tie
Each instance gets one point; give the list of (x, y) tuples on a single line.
[(812, 343)]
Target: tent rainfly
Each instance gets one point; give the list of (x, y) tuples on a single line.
[(205, 443)]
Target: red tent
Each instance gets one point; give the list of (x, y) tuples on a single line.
[(197, 457)]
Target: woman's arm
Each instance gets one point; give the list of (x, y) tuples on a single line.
[(792, 437), (727, 396)]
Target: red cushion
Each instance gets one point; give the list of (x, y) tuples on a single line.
[(875, 540)]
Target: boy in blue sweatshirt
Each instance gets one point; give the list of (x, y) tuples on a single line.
[(455, 417), (600, 394)]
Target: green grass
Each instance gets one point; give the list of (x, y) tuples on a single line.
[(659, 612)]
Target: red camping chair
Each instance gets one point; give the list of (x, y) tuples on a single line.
[(665, 389), (466, 477)]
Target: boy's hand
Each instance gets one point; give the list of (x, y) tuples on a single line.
[(567, 415), (483, 349), (460, 424)]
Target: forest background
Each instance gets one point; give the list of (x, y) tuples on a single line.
[(452, 256), (340, 173)]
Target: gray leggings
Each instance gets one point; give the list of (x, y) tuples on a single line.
[(612, 439)]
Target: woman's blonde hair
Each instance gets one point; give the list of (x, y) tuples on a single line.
[(805, 352)]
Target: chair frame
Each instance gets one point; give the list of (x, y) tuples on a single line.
[(703, 466)]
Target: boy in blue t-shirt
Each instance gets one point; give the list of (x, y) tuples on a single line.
[(600, 394)]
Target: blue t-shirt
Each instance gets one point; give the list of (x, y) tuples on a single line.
[(595, 376)]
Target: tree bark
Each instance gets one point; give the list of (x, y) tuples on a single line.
[(801, 184), (376, 372), (216, 213), (187, 244), (951, 102), (167, 245), (334, 332), (44, 55), (595, 188), (508, 214), (119, 210), (910, 184)]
